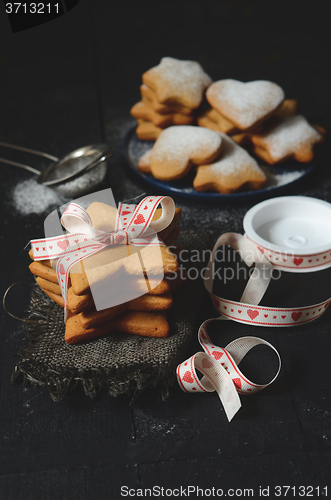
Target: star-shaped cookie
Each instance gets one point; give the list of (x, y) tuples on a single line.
[(233, 170), (175, 81), (287, 137)]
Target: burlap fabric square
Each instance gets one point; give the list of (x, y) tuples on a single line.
[(118, 363)]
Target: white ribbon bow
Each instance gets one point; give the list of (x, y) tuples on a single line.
[(134, 225)]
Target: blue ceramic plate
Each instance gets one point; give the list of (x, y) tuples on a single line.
[(280, 177)]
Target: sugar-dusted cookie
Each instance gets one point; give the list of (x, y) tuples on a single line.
[(78, 303), (48, 285), (144, 164), (234, 170), (175, 81), (144, 111), (245, 104), (43, 271), (147, 131), (179, 147), (286, 137), (163, 109)]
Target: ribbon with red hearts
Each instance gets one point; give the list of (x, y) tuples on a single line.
[(133, 226), (219, 365), (291, 261), (247, 310)]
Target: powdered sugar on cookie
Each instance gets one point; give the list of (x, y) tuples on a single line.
[(234, 169), (144, 163), (289, 136), (183, 82), (178, 147), (245, 104)]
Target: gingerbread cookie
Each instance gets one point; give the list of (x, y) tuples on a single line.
[(58, 299), (172, 237), (287, 137), (147, 131), (179, 147), (148, 324), (234, 170), (144, 111), (180, 82), (48, 285), (245, 104), (91, 318)]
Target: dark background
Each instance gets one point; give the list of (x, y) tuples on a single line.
[(71, 82)]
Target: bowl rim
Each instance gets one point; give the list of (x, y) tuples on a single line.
[(252, 234)]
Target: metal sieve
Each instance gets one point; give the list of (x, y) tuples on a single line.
[(69, 167)]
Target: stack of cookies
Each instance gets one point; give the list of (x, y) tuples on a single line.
[(256, 113), (132, 284), (170, 95)]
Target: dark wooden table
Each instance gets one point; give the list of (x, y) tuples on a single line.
[(72, 82)]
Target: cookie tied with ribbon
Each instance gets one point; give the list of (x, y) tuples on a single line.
[(133, 225)]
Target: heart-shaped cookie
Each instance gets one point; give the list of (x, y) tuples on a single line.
[(234, 169), (179, 147), (245, 104)]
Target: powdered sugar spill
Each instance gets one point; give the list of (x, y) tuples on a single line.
[(281, 179), (30, 197)]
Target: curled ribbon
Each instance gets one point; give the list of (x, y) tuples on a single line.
[(83, 240), (219, 367)]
